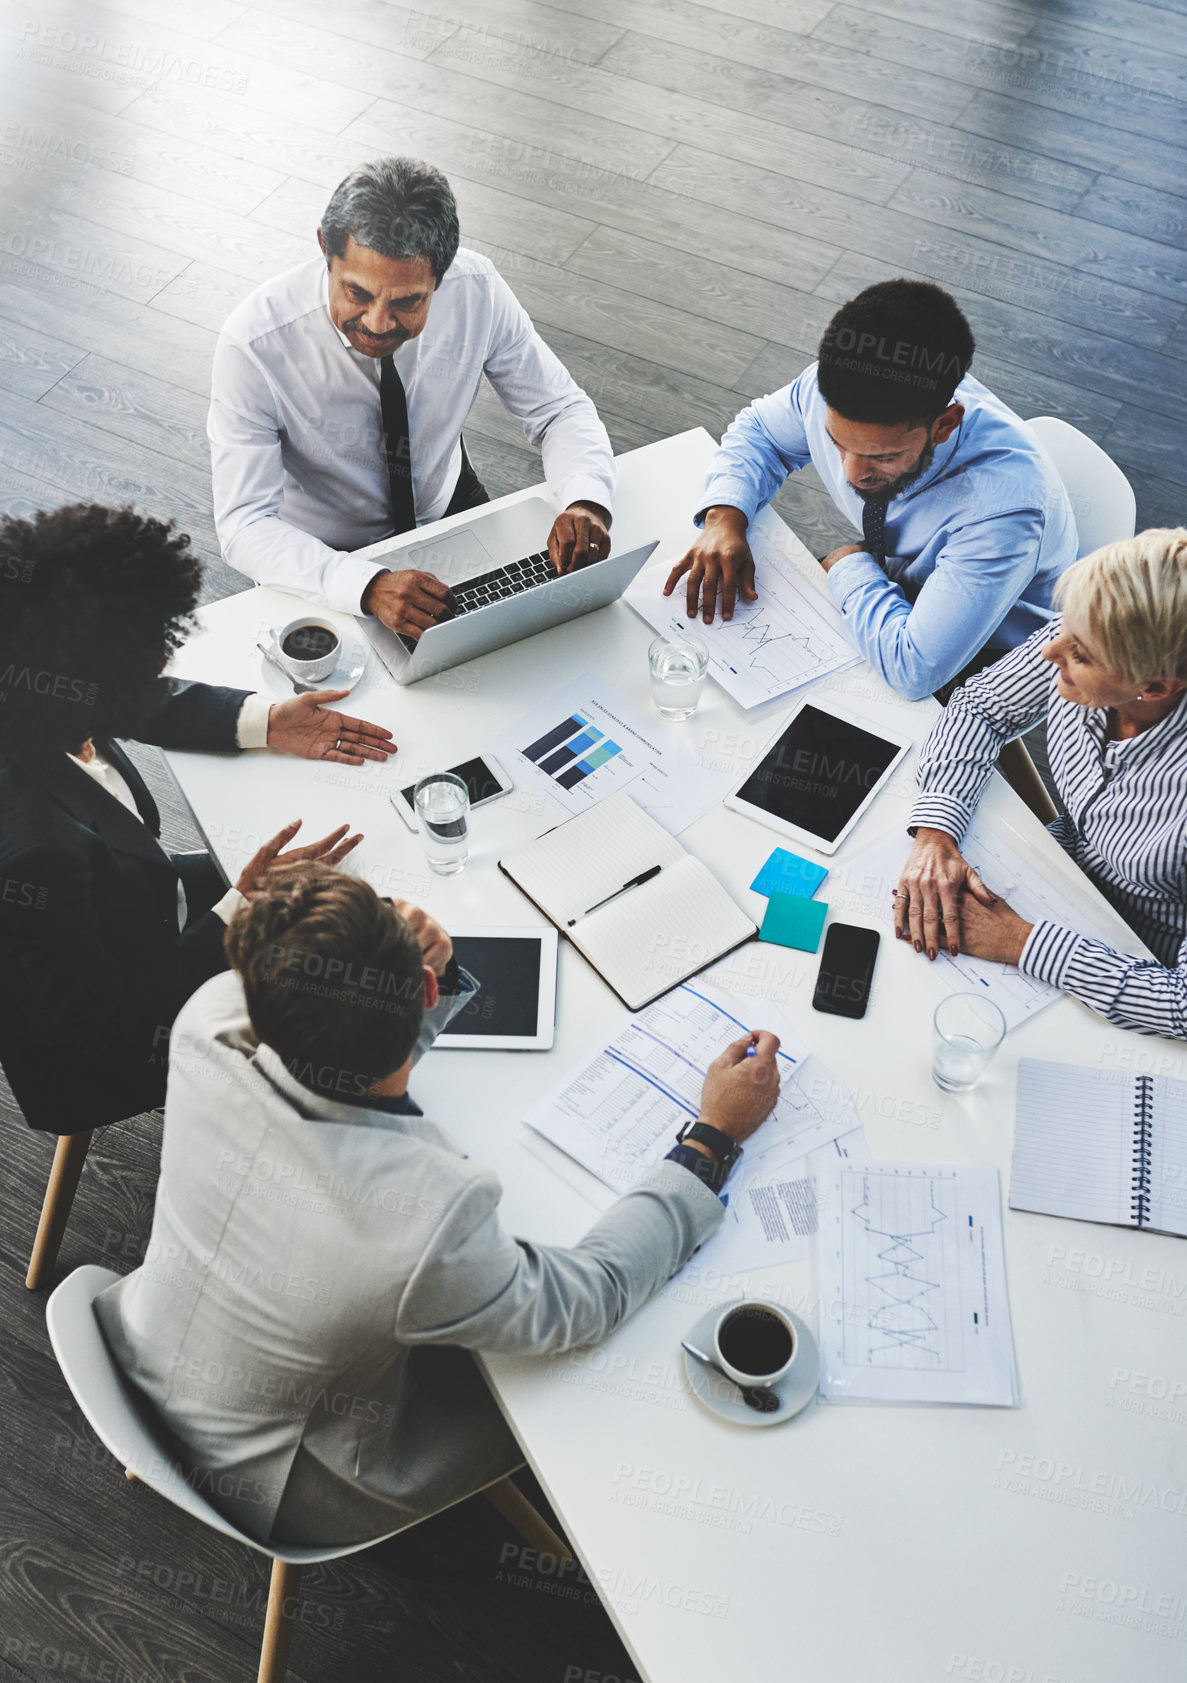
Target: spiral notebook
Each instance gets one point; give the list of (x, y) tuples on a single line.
[(644, 912), (1101, 1145)]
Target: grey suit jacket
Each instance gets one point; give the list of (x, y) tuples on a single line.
[(318, 1273)]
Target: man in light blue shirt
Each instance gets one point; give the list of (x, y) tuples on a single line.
[(966, 523)]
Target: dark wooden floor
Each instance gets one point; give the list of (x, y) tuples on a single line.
[(680, 194)]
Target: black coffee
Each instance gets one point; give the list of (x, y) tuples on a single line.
[(755, 1341), (310, 642)]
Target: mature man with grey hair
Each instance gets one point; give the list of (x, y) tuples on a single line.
[(341, 387)]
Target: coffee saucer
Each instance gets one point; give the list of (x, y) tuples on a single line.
[(723, 1398), (349, 668)]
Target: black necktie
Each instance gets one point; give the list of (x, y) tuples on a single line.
[(873, 527), (396, 446)]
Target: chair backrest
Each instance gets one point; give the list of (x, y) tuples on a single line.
[(1102, 498), (122, 1419)]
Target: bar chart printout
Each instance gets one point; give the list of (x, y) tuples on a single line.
[(913, 1304), (571, 750)]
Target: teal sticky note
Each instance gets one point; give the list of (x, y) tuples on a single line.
[(792, 921), (787, 873)]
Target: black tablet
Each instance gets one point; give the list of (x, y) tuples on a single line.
[(514, 1008), (818, 777)]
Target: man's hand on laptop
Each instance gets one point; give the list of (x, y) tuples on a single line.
[(720, 559), (579, 536), (408, 601)]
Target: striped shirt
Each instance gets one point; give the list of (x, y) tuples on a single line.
[(1125, 826)]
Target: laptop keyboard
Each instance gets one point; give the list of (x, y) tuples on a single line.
[(496, 586)]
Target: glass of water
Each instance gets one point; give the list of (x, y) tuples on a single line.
[(678, 667), (442, 803), (968, 1031)]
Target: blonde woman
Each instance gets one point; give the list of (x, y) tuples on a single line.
[(1109, 677)]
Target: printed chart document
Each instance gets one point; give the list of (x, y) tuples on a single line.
[(618, 1114), (791, 636), (1003, 866), (770, 1201), (588, 741), (1101, 1145), (913, 1304)]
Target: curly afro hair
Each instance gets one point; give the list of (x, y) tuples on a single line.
[(894, 355), (93, 601)]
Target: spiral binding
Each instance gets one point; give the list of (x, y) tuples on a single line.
[(1144, 1140)]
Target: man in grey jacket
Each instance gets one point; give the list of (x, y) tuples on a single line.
[(323, 1259)]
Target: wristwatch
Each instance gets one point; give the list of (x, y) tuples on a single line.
[(712, 1170)]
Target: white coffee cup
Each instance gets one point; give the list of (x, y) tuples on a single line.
[(308, 671), (754, 1343)]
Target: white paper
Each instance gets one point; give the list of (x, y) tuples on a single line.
[(913, 1304), (621, 747), (770, 1207), (618, 1114), (1003, 867), (790, 637)]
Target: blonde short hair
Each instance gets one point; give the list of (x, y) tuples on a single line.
[(1130, 601)]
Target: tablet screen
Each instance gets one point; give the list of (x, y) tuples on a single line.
[(818, 773), (507, 970)]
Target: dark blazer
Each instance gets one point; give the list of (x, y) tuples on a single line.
[(93, 969)]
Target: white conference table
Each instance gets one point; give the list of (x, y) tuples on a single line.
[(1043, 1544)]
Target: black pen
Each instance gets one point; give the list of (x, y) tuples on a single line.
[(644, 876)]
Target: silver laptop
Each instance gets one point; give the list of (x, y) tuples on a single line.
[(496, 563)]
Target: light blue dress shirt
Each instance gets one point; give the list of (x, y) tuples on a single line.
[(973, 548)]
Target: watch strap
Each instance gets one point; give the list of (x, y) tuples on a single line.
[(726, 1150)]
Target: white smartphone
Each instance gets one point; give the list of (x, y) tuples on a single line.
[(483, 776)]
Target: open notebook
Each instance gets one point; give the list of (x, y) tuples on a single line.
[(1101, 1145), (649, 938)]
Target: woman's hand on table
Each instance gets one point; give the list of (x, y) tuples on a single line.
[(436, 948), (936, 887), (306, 727), (995, 931), (330, 850)]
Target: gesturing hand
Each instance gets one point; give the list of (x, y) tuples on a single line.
[(720, 559), (436, 948), (304, 727), (330, 849), (740, 1091), (580, 535), (408, 602), (930, 891)]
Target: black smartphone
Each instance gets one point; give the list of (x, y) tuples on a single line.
[(846, 970)]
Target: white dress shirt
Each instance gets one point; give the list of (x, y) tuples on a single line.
[(296, 438), (251, 731)]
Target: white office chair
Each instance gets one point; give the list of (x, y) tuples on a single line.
[(122, 1421), (1102, 498), (1105, 511)]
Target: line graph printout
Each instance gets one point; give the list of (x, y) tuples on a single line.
[(913, 1304), (1003, 867), (618, 1113), (790, 637)]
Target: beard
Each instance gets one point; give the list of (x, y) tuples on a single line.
[(892, 487)]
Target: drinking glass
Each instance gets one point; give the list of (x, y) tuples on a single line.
[(968, 1031), (442, 803), (678, 667)]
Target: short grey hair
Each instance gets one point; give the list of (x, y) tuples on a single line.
[(399, 207)]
